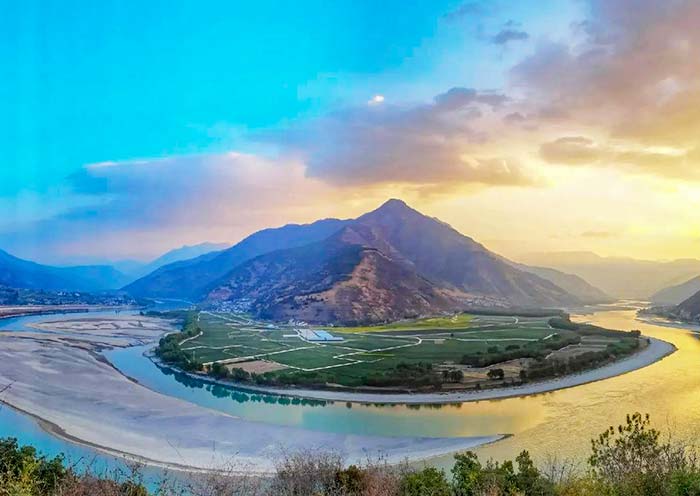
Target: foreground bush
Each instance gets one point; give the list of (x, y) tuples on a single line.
[(630, 460)]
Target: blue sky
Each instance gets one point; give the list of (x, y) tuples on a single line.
[(280, 90), (86, 82)]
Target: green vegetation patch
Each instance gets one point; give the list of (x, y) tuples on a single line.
[(422, 353), (454, 322)]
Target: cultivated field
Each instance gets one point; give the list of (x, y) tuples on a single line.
[(231, 338), (460, 348)]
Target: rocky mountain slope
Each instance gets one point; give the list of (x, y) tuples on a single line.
[(191, 279), (391, 263)]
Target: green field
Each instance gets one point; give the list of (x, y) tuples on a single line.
[(453, 322), (230, 340), (368, 355), (460, 350)]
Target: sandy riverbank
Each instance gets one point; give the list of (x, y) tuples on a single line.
[(10, 311), (657, 350), (80, 398)]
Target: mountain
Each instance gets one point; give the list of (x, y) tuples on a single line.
[(186, 252), (391, 263), (446, 257), (619, 277), (18, 273), (689, 310), (572, 284), (677, 294), (329, 281), (190, 279)]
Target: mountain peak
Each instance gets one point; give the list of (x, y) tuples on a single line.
[(391, 208), (394, 203)]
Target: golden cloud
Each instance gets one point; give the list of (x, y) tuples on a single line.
[(631, 76)]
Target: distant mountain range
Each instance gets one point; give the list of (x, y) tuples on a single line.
[(575, 285), (18, 273), (137, 270), (619, 277), (387, 264), (390, 263), (677, 294)]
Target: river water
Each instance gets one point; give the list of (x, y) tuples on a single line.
[(557, 424)]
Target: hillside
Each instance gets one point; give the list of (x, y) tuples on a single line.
[(677, 294), (391, 263), (572, 284), (186, 252), (619, 277), (137, 270), (452, 260), (689, 310), (330, 281), (190, 279), (18, 273)]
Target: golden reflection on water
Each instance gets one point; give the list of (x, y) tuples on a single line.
[(561, 424)]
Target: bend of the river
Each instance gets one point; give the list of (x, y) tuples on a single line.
[(559, 423)]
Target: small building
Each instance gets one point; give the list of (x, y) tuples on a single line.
[(318, 335)]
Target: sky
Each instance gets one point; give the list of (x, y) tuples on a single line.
[(130, 128)]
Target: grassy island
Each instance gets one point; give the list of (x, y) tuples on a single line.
[(455, 352)]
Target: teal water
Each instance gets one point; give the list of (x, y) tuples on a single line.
[(381, 420), (28, 432)]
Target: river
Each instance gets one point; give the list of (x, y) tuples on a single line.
[(556, 424)]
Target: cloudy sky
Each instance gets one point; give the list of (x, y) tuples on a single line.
[(130, 128)]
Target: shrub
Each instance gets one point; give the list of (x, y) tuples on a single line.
[(26, 472), (633, 460), (456, 375), (496, 374), (427, 482), (351, 481)]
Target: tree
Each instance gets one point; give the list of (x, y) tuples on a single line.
[(633, 460), (428, 482), (25, 470), (352, 481), (496, 374), (219, 370), (456, 375), (528, 479), (466, 474)]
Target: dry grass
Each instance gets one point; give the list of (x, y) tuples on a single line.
[(258, 366)]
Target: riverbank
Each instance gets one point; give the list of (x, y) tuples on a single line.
[(666, 322), (81, 399), (655, 351), (8, 312)]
